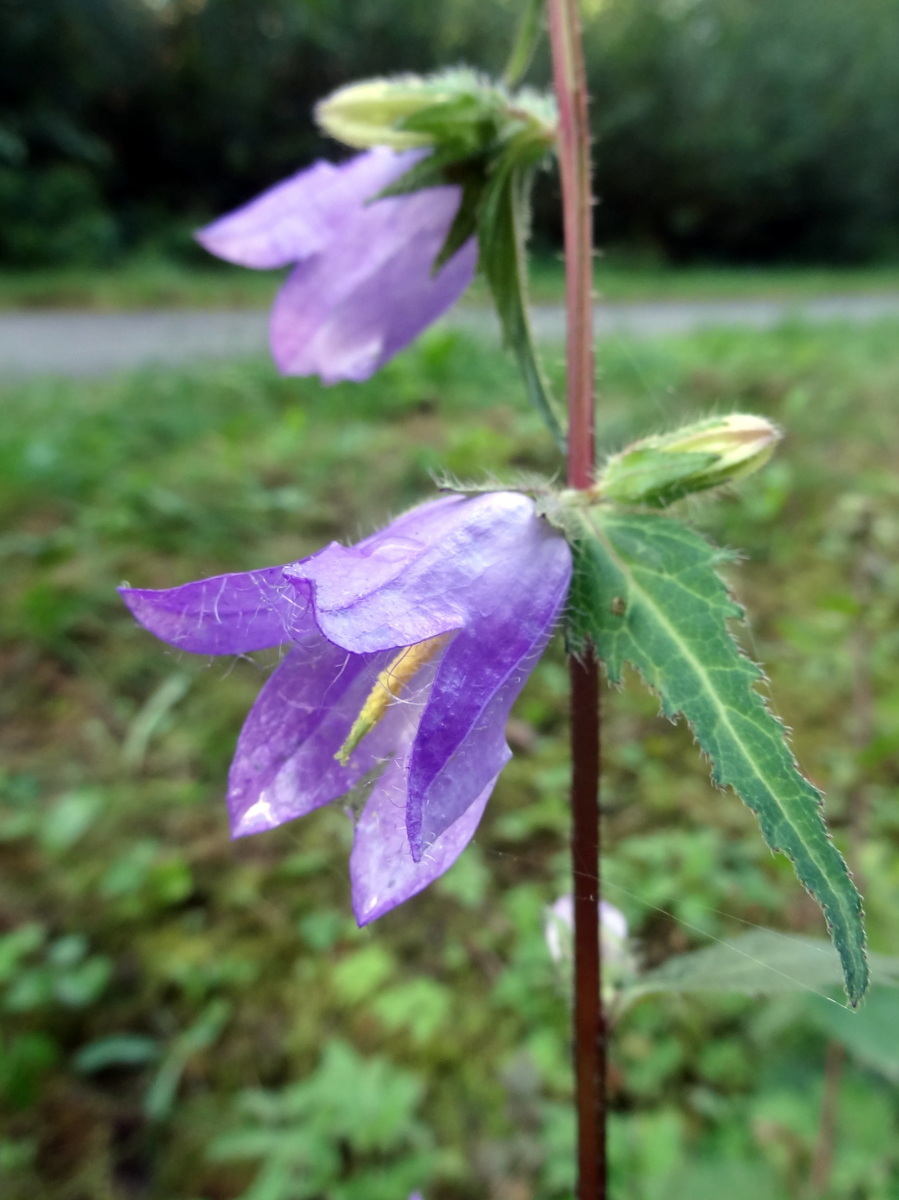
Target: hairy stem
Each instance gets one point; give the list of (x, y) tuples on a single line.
[(577, 205), (589, 1024)]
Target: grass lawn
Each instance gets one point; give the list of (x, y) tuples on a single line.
[(187, 1017), (158, 284)]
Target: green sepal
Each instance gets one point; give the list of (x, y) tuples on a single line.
[(530, 27), (465, 223), (437, 170), (646, 591), (502, 235), (658, 470), (495, 206), (461, 127), (657, 478)]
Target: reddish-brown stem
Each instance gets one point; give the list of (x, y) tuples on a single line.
[(577, 204), (589, 1025), (827, 1124), (589, 1022)]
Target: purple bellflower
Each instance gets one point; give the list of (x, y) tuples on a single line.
[(364, 283), (407, 651)]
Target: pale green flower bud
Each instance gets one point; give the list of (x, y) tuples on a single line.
[(457, 108), (659, 470), (369, 114)]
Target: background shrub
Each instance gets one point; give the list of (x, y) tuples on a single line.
[(725, 129)]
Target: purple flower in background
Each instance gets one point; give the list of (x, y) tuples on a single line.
[(407, 652), (363, 286)]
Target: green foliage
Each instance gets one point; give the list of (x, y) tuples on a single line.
[(229, 960), (736, 129), (55, 215), (871, 1039), (61, 65), (726, 129), (760, 962), (147, 281), (184, 110), (646, 591), (349, 1131)]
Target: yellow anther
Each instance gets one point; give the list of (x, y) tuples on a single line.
[(388, 687)]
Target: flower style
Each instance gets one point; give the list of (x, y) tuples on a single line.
[(364, 283), (407, 652)]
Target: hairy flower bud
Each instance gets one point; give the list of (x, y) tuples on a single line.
[(659, 470), (459, 113), (372, 113)]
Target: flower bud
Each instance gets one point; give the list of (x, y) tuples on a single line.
[(617, 955), (372, 113), (457, 110), (659, 470)]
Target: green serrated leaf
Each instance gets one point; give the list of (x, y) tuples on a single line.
[(645, 591)]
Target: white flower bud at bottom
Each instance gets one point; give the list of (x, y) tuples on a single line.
[(618, 961)]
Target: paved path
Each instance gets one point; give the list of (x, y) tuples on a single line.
[(91, 344)]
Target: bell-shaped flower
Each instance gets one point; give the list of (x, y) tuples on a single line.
[(407, 652), (363, 285)]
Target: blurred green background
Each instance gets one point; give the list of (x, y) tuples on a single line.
[(728, 130), (187, 1018), (183, 1018)]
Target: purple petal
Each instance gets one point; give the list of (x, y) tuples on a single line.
[(285, 764), (382, 870), (364, 286), (426, 573), (460, 744), (227, 614), (302, 215), (344, 312)]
